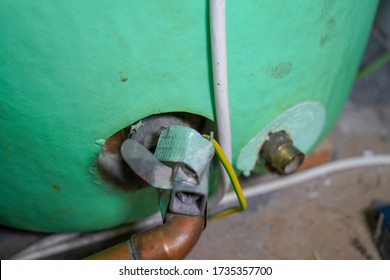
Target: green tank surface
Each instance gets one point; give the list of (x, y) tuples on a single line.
[(73, 73)]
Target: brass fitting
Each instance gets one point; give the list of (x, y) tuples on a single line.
[(280, 154)]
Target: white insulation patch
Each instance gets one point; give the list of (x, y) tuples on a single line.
[(303, 122)]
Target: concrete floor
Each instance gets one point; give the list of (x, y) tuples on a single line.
[(323, 218)]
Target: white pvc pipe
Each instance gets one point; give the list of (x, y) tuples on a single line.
[(310, 174), (48, 242), (220, 79)]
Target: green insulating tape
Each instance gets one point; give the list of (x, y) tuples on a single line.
[(185, 145)]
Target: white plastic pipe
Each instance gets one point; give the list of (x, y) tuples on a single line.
[(220, 79), (310, 174)]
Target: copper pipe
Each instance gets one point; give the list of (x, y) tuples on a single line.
[(172, 240)]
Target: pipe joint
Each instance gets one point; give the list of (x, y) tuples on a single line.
[(280, 154)]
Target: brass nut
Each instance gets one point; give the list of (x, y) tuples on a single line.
[(280, 154)]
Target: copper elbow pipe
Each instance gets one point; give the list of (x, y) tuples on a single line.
[(172, 240)]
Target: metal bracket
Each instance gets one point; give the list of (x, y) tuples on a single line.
[(188, 197), (189, 153)]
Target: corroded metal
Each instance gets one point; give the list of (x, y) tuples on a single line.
[(110, 163)]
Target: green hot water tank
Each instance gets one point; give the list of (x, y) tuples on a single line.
[(74, 73)]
